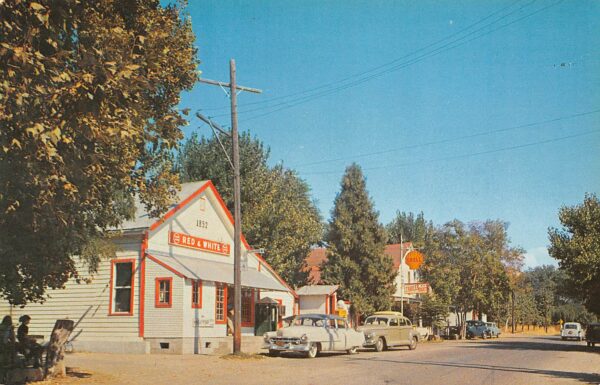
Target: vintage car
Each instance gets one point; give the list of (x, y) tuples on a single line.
[(571, 330), (476, 328), (386, 329), (592, 334), (492, 330), (314, 333)]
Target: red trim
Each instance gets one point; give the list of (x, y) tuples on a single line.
[(224, 320), (326, 304), (280, 320), (171, 269), (252, 301), (157, 281), (197, 305), (211, 186), (110, 301), (143, 283), (180, 206)]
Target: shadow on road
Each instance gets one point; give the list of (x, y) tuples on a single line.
[(589, 378), (529, 345)]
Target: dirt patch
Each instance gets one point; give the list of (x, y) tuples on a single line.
[(77, 376), (243, 356)]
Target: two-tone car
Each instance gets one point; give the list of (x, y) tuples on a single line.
[(314, 333), (387, 329)]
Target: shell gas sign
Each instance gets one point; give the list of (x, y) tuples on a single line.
[(191, 242)]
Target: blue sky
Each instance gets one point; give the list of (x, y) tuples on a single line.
[(461, 109)]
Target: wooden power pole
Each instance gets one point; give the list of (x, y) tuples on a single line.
[(237, 212)]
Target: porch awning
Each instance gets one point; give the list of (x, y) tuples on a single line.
[(197, 268)]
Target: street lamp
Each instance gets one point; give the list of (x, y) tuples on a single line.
[(403, 254)]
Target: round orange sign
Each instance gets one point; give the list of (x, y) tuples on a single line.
[(414, 259)]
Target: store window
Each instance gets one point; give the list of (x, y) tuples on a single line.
[(121, 279), (164, 292), (221, 303), (247, 306), (197, 294)]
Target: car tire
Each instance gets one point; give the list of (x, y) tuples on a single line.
[(380, 345), (313, 350), (484, 336), (413, 343), (273, 353), (563, 338)]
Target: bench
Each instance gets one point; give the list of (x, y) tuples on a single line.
[(11, 373)]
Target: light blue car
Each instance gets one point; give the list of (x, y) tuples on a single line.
[(492, 330)]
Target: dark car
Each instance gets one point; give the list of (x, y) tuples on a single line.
[(476, 328), (592, 334)]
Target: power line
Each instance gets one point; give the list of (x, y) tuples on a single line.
[(435, 52), (454, 139), (454, 157), (266, 101)]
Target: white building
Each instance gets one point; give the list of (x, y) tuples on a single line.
[(168, 288)]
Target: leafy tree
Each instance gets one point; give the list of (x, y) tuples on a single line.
[(543, 280), (277, 212), (466, 266), (413, 229), (356, 240), (88, 96), (576, 246), (433, 310)]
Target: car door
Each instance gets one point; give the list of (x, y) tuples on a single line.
[(335, 340), (405, 328), (394, 332)]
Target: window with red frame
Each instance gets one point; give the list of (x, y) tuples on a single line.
[(197, 294), (220, 303), (164, 292), (247, 304), (122, 285)]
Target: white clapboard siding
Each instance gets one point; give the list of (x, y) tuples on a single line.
[(163, 322), (85, 303)]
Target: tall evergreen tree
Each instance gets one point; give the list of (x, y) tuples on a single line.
[(410, 228), (356, 260)]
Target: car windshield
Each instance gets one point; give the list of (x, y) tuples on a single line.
[(376, 321), (570, 326), (474, 323), (309, 321)]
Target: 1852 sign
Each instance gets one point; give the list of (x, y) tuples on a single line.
[(191, 242)]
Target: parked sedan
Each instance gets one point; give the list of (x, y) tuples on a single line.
[(592, 334), (476, 328), (492, 330), (571, 330), (314, 333), (386, 329)]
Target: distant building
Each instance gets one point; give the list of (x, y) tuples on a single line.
[(318, 256)]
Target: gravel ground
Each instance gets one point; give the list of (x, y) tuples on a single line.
[(510, 360)]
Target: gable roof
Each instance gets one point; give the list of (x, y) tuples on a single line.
[(318, 255), (143, 221), (188, 192)]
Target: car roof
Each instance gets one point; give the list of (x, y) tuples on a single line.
[(572, 323), (395, 313)]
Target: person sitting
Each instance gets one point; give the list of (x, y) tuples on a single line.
[(27, 345), (7, 342)]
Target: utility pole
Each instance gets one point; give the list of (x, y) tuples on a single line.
[(237, 212)]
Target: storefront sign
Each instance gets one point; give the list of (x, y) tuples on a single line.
[(414, 259), (416, 288), (191, 242)]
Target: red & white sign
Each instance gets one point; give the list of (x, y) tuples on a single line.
[(191, 242)]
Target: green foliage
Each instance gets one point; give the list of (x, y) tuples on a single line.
[(413, 229), (277, 213), (467, 265), (544, 283), (88, 96), (356, 241), (577, 248), (433, 310)]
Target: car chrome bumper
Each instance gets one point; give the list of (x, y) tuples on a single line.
[(288, 347)]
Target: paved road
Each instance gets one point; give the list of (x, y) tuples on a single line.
[(508, 360)]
